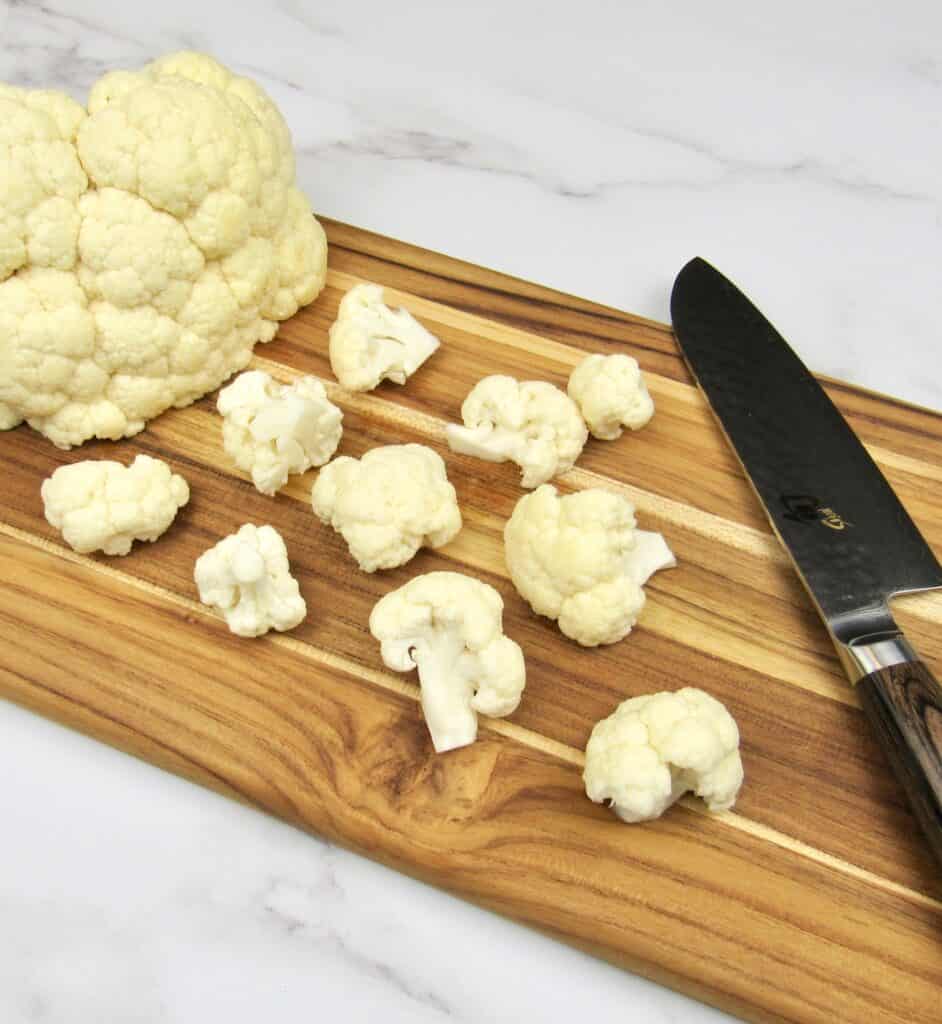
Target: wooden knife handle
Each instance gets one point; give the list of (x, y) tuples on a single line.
[(904, 705)]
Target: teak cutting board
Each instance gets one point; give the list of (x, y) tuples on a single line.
[(814, 900)]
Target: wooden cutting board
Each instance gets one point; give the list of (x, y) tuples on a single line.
[(814, 900)]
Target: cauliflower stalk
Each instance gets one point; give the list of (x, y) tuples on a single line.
[(449, 626), (101, 505), (272, 430), (653, 749), (146, 244), (246, 576), (531, 423), (388, 504), (369, 342), (611, 394), (580, 560)]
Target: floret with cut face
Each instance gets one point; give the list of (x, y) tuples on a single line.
[(369, 342)]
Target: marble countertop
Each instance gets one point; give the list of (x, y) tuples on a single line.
[(594, 148)]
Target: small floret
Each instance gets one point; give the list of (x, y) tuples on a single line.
[(247, 577), (611, 394)]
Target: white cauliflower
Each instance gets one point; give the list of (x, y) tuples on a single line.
[(611, 394), (272, 430), (247, 577), (370, 342), (653, 749), (531, 423), (388, 504), (146, 245), (579, 559), (104, 506), (450, 627)]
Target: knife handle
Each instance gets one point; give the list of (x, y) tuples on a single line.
[(904, 705)]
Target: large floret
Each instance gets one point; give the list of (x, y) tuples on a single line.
[(531, 423), (146, 245), (450, 627), (579, 559), (100, 505), (388, 504)]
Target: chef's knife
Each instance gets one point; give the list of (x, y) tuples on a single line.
[(852, 542)]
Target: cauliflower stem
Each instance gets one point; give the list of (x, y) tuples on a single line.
[(447, 687)]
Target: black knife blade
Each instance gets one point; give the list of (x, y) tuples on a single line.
[(852, 542)]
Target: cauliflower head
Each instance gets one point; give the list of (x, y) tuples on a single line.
[(388, 504), (449, 626), (272, 430), (653, 749), (247, 577), (531, 423), (580, 560), (611, 394), (369, 342), (146, 244), (100, 505)]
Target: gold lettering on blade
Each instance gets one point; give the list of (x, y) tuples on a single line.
[(832, 519)]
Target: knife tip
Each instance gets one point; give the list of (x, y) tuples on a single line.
[(689, 272)]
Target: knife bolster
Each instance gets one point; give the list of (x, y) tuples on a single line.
[(862, 657)]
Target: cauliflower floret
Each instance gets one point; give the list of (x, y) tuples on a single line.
[(531, 423), (450, 627), (105, 506), (653, 749), (611, 394), (247, 577), (388, 504), (170, 213), (370, 342), (41, 180), (272, 429), (580, 560)]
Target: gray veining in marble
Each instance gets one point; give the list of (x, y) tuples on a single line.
[(797, 147)]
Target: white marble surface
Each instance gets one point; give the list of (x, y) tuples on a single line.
[(594, 147)]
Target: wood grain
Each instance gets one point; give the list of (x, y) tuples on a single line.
[(814, 900)]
